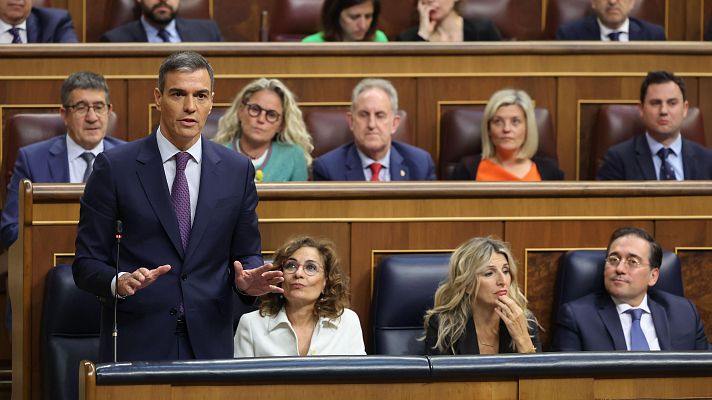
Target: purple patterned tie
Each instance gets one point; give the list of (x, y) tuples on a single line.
[(180, 197), (15, 32), (163, 34)]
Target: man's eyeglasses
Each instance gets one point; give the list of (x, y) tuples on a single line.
[(83, 108), (254, 110), (614, 260), (310, 268)]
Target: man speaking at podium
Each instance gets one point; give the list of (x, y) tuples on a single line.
[(190, 237)]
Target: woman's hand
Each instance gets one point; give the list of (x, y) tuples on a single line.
[(516, 323), (426, 26)]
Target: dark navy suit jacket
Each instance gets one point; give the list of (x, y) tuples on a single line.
[(129, 184), (50, 25), (42, 162), (591, 323), (190, 30), (587, 29), (408, 163), (631, 160)]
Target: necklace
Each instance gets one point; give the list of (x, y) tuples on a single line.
[(259, 170), (485, 344)]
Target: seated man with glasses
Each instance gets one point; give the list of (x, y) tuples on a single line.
[(312, 317), (67, 158), (627, 316)]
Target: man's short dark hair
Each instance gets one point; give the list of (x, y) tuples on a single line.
[(184, 61), (83, 80), (658, 77), (656, 252)]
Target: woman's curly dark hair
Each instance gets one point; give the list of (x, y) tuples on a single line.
[(335, 297)]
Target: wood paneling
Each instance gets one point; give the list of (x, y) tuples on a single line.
[(367, 222)]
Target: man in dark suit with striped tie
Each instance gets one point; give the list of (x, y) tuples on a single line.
[(661, 153), (611, 22), (22, 23), (159, 24)]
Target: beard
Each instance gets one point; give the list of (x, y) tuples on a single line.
[(156, 17)]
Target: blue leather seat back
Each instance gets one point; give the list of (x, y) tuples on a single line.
[(404, 290), (69, 333), (581, 273)]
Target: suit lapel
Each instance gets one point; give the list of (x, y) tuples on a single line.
[(593, 31), (138, 32), (660, 321), (353, 172), (689, 161), (644, 158), (398, 169), (468, 342), (33, 29), (209, 177), (58, 162), (186, 35), (153, 181), (609, 316)]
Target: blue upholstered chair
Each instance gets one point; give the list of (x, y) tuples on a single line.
[(69, 333), (404, 290)]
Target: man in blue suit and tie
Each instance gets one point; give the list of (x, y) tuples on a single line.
[(22, 23), (661, 153), (627, 316), (67, 158), (190, 234), (159, 24), (611, 22), (373, 155)]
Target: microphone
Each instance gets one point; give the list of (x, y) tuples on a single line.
[(118, 234)]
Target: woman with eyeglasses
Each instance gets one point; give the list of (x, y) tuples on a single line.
[(349, 21), (265, 124), (311, 317), (510, 140), (479, 308)]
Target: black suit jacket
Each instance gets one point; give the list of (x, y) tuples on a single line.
[(190, 30), (466, 170), (587, 29), (631, 160), (467, 344), (50, 25), (473, 30), (591, 323)]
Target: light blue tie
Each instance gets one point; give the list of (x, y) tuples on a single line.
[(637, 338)]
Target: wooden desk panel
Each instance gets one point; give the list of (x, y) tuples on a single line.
[(369, 221)]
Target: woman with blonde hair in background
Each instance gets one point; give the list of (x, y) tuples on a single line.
[(265, 124)]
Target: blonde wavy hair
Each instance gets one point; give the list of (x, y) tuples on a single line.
[(508, 97), (293, 128), (453, 304)]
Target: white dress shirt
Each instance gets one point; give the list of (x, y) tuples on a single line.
[(192, 171), (273, 335), (623, 30), (6, 37), (646, 323), (77, 165)]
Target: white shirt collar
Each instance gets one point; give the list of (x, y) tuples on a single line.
[(275, 321), (75, 151), (655, 146), (152, 31), (623, 307), (624, 29), (366, 161), (168, 149)]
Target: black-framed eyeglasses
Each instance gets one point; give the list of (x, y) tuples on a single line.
[(83, 108), (254, 110), (614, 260), (310, 267)]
